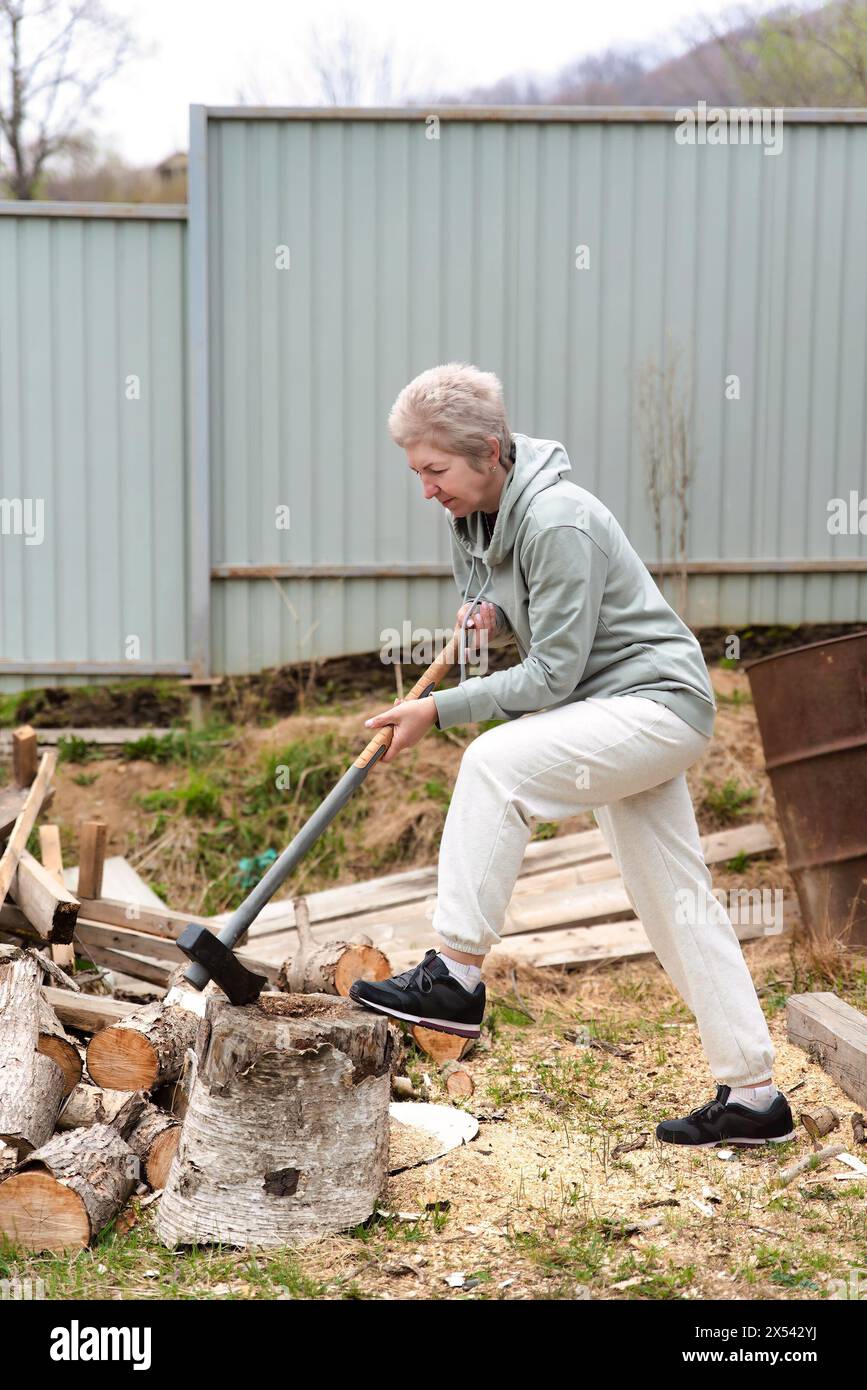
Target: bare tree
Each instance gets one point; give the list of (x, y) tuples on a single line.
[(347, 65), (57, 56), (794, 56), (665, 428)]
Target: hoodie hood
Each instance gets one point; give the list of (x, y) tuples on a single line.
[(539, 463)]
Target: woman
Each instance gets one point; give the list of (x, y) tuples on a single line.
[(618, 704)]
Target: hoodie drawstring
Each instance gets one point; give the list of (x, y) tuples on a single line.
[(470, 611)]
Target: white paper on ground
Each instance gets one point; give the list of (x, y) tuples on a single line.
[(449, 1125)]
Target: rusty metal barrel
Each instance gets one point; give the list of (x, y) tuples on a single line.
[(811, 705)]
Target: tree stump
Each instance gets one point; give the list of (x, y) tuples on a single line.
[(32, 1085), (285, 1138), (145, 1050)]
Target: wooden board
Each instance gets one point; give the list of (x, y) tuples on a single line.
[(30, 808), (835, 1035), (87, 1012), (586, 851), (548, 901)]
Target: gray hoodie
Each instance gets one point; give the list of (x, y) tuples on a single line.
[(576, 598)]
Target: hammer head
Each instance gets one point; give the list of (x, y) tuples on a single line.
[(219, 963)]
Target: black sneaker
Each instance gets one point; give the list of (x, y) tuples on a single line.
[(428, 994), (718, 1122)]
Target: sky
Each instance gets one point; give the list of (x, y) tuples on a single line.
[(222, 52)]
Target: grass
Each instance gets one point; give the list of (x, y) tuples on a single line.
[(729, 801)]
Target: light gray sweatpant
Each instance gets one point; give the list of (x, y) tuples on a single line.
[(624, 758)]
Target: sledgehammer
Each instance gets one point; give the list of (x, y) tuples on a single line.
[(213, 955)]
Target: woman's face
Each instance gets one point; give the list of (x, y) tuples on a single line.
[(450, 480)]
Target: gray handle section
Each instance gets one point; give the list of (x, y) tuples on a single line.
[(252, 905)]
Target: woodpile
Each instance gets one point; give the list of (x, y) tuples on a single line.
[(96, 1093)]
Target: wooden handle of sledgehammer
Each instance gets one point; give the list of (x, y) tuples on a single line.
[(431, 678)]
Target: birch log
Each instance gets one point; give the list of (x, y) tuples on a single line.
[(285, 1138), (155, 1139), (63, 1195), (329, 967), (32, 1085), (146, 1049), (54, 1043)]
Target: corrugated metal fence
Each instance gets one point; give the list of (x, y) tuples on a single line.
[(332, 255)]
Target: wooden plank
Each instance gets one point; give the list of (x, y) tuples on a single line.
[(87, 1012), (570, 948), (91, 857), (25, 755), (414, 885), (11, 801), (585, 851), (140, 967), (542, 902), (47, 904), (107, 738), (26, 820), (154, 921), (835, 1035), (49, 848)]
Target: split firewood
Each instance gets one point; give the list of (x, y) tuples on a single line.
[(52, 859), (25, 822), (67, 1190), (458, 1081), (90, 1105), (48, 905), (329, 967), (858, 1127), (25, 755), (821, 1122), (440, 1047), (174, 1096), (32, 1085), (144, 1050), (808, 1163)]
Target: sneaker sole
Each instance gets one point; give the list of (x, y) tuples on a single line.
[(729, 1143), (461, 1030)]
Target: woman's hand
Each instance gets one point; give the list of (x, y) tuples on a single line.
[(485, 617), (411, 720)]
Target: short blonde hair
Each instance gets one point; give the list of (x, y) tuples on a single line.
[(456, 408)]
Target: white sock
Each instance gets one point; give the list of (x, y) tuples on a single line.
[(754, 1097), (466, 974)]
